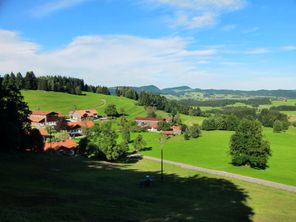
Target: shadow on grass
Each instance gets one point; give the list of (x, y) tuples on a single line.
[(83, 190)]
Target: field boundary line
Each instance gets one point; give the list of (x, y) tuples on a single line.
[(268, 183)]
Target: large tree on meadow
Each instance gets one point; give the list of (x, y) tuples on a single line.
[(247, 146)]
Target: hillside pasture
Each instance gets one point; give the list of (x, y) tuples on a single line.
[(64, 102), (212, 151)]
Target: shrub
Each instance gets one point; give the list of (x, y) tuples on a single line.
[(277, 126)]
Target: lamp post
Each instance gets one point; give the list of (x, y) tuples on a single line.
[(163, 138)]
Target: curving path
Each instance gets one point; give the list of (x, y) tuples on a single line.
[(226, 174), (104, 102)]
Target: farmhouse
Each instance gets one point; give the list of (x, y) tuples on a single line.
[(41, 118), (66, 147), (150, 123), (79, 115), (75, 128), (177, 130)]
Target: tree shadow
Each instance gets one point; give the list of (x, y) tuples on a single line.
[(145, 149), (84, 190)]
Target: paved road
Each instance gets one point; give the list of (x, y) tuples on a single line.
[(226, 174)]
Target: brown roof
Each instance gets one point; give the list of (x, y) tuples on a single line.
[(176, 128), (168, 133), (68, 144), (153, 125), (85, 123), (43, 132), (41, 112), (85, 112)]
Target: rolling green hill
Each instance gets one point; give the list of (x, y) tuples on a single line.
[(64, 102)]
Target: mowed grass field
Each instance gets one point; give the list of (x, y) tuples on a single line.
[(64, 102), (42, 187), (212, 151)]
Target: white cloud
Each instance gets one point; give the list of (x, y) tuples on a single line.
[(251, 30), (258, 51), (108, 60), (228, 28), (52, 6), (289, 48), (193, 14)]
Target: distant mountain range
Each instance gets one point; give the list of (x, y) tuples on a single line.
[(182, 90)]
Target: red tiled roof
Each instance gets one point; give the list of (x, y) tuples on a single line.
[(85, 112), (36, 119), (85, 123), (153, 125), (68, 144), (176, 128), (59, 114), (43, 132)]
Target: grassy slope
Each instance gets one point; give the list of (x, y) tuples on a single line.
[(39, 187), (63, 102), (211, 151)]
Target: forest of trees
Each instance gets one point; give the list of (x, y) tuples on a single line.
[(51, 83), (224, 102), (284, 108), (149, 99)]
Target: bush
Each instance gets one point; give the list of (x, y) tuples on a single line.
[(277, 126), (209, 124), (195, 131), (163, 126)]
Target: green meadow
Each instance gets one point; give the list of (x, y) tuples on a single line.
[(64, 102), (211, 151), (46, 187)]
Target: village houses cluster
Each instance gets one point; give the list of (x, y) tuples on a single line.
[(78, 120)]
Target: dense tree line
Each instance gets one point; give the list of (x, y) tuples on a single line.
[(128, 92), (228, 118), (267, 117), (15, 131), (170, 106), (221, 122), (261, 93), (239, 111), (51, 83), (225, 102), (283, 108)]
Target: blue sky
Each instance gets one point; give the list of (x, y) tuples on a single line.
[(230, 44)]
